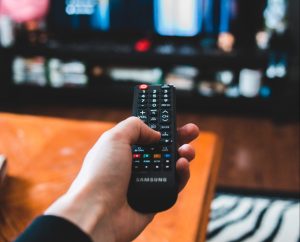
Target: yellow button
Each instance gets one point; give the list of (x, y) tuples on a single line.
[(157, 156)]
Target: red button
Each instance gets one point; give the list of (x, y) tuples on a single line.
[(142, 45), (143, 87), (136, 156)]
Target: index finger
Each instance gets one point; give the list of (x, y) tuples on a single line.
[(134, 131), (187, 133)]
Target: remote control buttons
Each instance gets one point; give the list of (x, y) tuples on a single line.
[(154, 126), (146, 156), (157, 156), (165, 116), (157, 167), (143, 87), (138, 149), (154, 108), (136, 156), (167, 155)]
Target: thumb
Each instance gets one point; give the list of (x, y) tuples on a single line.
[(134, 131)]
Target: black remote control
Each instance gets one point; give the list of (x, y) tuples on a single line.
[(153, 186)]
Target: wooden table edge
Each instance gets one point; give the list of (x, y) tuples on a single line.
[(213, 175)]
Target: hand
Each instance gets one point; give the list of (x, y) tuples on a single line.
[(97, 199)]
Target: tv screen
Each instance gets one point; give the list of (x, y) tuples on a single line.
[(179, 18)]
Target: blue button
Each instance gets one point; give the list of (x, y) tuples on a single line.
[(167, 155)]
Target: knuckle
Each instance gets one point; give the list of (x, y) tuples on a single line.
[(134, 119)]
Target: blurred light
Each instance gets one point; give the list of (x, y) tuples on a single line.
[(280, 70), (226, 42), (180, 82), (67, 73), (265, 91), (97, 71), (275, 14), (147, 75), (182, 77), (226, 77), (7, 38), (271, 71), (165, 49), (187, 71), (176, 17), (250, 82), (142, 45), (232, 92), (205, 88), (29, 71), (80, 7), (262, 39)]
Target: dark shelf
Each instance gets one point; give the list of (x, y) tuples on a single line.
[(110, 53)]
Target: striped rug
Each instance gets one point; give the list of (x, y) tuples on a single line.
[(237, 218)]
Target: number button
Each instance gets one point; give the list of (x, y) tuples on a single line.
[(142, 96), (154, 95), (153, 100), (142, 100)]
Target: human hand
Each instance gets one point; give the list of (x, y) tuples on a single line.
[(97, 199)]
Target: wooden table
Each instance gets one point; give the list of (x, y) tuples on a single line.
[(45, 154)]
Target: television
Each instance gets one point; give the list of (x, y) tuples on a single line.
[(159, 18)]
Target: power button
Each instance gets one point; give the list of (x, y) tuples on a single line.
[(143, 87)]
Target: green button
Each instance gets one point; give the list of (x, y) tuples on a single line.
[(146, 156)]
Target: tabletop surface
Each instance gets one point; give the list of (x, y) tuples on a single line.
[(44, 155)]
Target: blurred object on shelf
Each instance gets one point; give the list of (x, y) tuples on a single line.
[(232, 91), (275, 15), (165, 49), (67, 73), (265, 92), (211, 88), (275, 23), (277, 67), (177, 17), (29, 71), (226, 42), (97, 71), (225, 76), (182, 77), (3, 165), (250, 82), (142, 45), (263, 39), (24, 10), (125, 74), (7, 37)]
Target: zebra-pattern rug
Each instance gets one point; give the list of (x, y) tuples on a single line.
[(237, 218)]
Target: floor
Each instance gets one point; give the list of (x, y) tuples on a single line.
[(258, 155)]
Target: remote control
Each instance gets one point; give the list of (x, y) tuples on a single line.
[(153, 185)]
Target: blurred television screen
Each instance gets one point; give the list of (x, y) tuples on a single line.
[(181, 18)]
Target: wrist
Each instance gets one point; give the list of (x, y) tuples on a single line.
[(85, 211)]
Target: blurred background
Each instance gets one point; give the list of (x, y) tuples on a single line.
[(235, 64)]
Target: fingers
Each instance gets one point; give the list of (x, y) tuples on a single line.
[(186, 151), (183, 171), (187, 133), (134, 131)]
